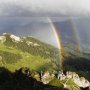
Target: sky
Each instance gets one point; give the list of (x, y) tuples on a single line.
[(29, 17), (42, 8), (27, 27)]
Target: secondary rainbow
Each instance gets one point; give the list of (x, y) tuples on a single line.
[(58, 40), (76, 35)]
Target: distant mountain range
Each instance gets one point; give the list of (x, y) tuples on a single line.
[(65, 31), (68, 35)]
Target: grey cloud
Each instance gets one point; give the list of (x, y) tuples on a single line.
[(44, 8)]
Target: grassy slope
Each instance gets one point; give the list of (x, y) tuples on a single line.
[(27, 60)]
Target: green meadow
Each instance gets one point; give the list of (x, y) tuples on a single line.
[(13, 59)]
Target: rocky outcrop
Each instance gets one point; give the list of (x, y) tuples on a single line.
[(36, 44), (15, 38), (32, 44), (79, 81), (29, 43), (47, 77), (2, 39)]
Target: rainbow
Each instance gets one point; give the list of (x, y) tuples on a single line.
[(58, 41), (76, 35)]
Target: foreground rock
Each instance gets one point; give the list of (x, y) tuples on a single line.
[(79, 81)]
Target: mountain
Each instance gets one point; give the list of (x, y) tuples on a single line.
[(19, 52), (16, 52)]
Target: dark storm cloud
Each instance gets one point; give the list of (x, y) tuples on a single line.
[(44, 8)]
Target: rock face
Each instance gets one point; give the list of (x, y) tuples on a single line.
[(36, 44), (2, 39), (61, 76), (32, 44), (46, 77), (15, 38), (79, 81), (29, 43)]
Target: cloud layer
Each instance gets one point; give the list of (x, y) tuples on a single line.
[(44, 8)]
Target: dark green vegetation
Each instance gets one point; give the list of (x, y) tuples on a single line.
[(28, 50), (42, 49), (76, 61), (9, 57)]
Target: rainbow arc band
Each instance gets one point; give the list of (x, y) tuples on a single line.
[(58, 41), (76, 35), (58, 38)]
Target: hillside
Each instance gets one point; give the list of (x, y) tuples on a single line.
[(76, 61), (16, 52), (19, 52)]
